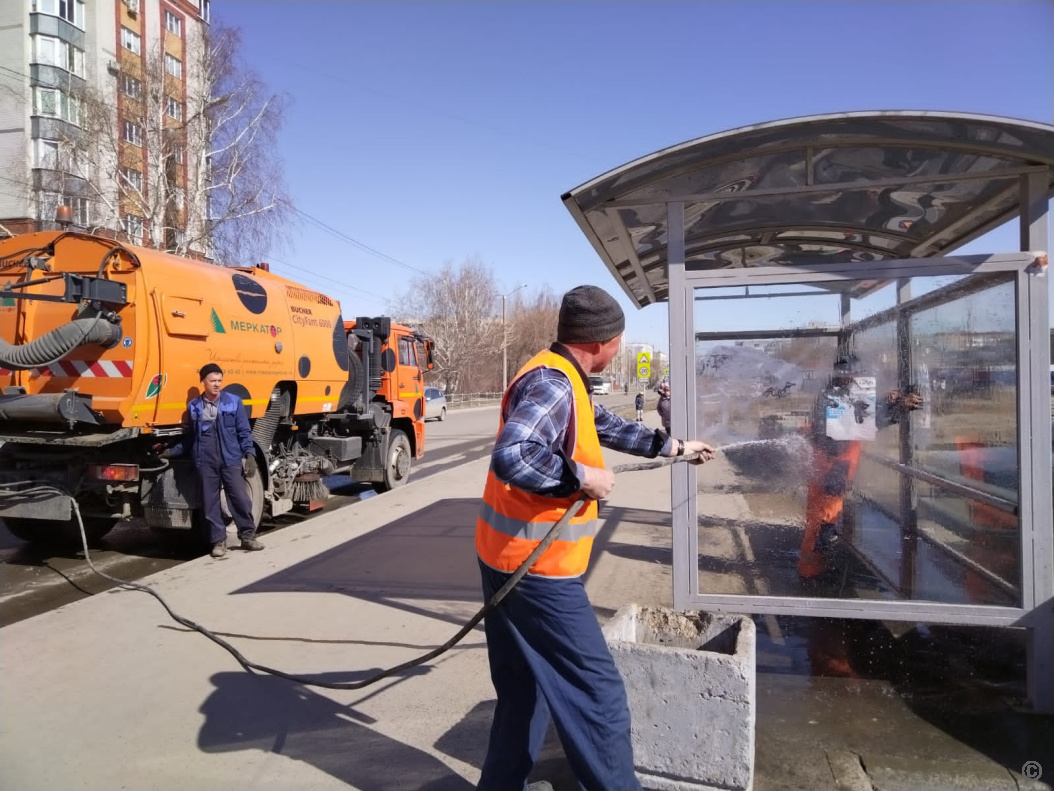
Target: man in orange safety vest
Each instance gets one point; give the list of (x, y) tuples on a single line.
[(548, 658)]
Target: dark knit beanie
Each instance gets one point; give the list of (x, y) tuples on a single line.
[(588, 315), (210, 368)]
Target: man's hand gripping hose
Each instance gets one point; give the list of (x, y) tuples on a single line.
[(517, 575)]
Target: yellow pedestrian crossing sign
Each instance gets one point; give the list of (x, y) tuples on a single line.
[(643, 365)]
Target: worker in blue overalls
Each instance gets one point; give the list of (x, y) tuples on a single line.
[(217, 437)]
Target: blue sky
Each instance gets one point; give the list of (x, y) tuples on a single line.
[(432, 132)]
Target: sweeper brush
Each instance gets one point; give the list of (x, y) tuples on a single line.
[(309, 488)]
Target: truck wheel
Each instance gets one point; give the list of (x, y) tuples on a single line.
[(397, 469), (442, 414), (65, 534), (256, 495)]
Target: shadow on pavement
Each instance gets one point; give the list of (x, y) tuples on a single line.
[(247, 712), (467, 742), (427, 555)]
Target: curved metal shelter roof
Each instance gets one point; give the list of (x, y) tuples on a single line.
[(813, 190)]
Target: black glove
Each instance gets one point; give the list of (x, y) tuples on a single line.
[(249, 466), (161, 451)]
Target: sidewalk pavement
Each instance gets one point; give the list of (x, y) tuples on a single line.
[(110, 693)]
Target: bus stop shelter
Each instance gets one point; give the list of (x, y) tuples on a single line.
[(817, 252)]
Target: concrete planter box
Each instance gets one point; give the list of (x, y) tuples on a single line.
[(691, 687)]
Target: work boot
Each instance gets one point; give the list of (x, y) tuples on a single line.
[(250, 544), (219, 549)]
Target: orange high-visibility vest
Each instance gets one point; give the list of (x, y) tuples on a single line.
[(513, 522)]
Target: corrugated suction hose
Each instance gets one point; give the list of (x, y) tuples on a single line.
[(55, 345)]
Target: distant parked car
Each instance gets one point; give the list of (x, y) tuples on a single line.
[(435, 404)]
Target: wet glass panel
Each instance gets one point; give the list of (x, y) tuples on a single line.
[(816, 308), (874, 351), (980, 540), (964, 358), (812, 492)]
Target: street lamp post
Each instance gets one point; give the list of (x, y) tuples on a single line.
[(505, 340)]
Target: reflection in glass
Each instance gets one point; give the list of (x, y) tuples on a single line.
[(822, 426)]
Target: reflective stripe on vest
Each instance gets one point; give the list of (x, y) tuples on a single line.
[(534, 531), (512, 522)]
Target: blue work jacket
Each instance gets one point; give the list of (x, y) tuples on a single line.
[(236, 439)]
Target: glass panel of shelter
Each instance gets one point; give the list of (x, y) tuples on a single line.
[(830, 484)]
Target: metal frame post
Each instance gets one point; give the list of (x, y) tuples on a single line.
[(1034, 404), (909, 534), (682, 395)]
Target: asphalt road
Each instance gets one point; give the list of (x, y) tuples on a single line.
[(35, 580)]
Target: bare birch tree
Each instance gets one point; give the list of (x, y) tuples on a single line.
[(192, 171), (456, 307), (460, 307), (532, 324)]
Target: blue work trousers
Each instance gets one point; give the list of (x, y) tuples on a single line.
[(548, 657), (215, 475)]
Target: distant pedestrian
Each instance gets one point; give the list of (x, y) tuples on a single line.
[(663, 407), (625, 387), (639, 403), (218, 440)]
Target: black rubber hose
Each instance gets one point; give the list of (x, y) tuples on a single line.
[(493, 602), (56, 344)]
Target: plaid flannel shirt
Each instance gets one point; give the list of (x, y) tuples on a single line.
[(530, 451)]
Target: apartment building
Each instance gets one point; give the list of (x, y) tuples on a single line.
[(93, 97)]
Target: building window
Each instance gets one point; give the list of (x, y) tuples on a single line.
[(70, 10), (48, 202), (133, 179), (132, 133), (173, 66), (47, 154), (80, 209), (46, 50), (75, 61), (56, 52), (173, 24), (130, 41), (46, 102), (174, 108), (54, 103), (133, 226), (131, 87)]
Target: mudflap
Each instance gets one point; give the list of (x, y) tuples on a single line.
[(370, 467), (42, 493), (50, 506), (173, 497)]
